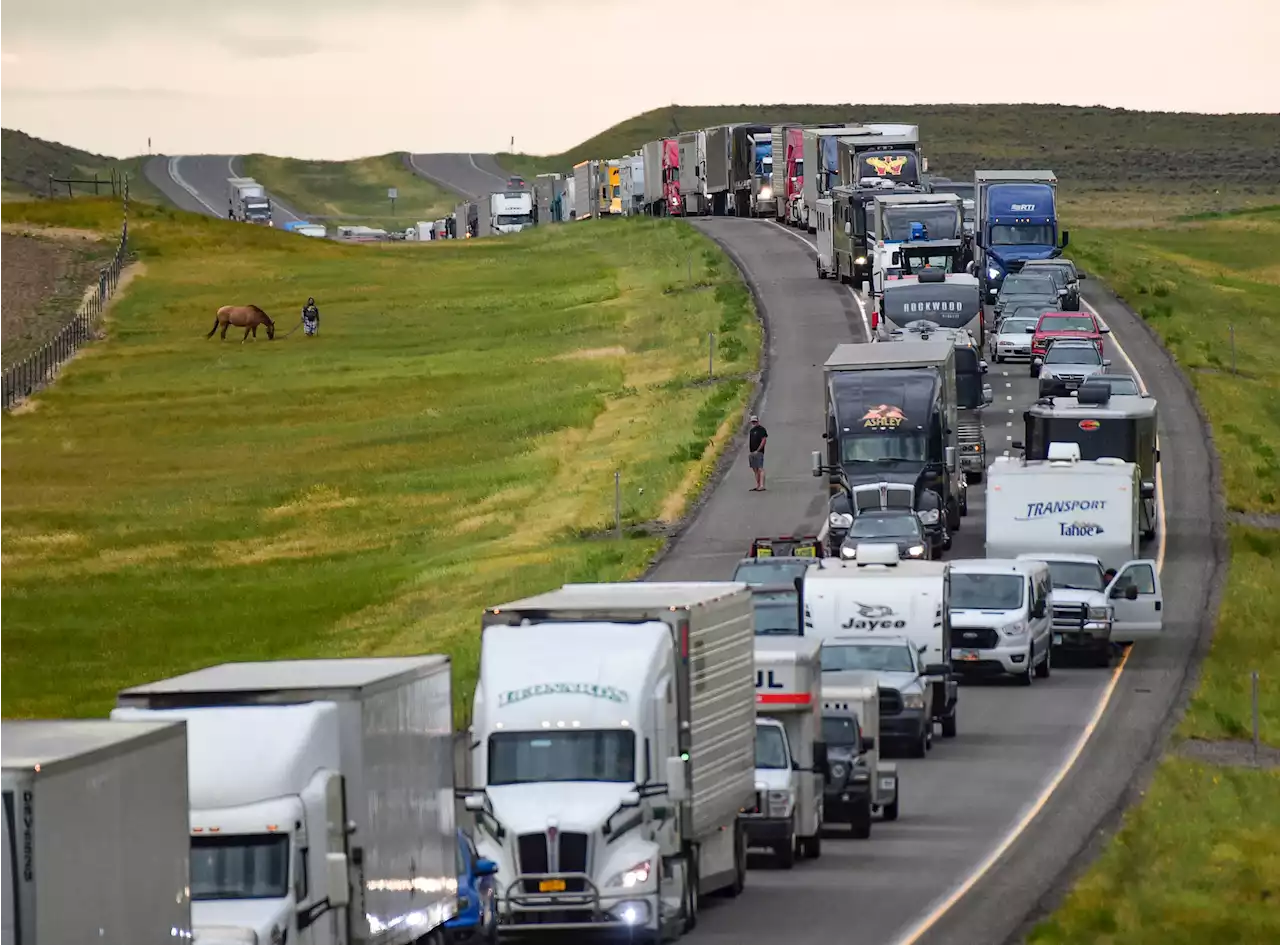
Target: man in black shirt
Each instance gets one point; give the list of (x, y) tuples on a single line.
[(756, 440)]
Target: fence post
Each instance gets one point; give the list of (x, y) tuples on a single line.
[(617, 502), (1254, 687)]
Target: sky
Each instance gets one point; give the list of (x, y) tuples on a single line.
[(345, 78)]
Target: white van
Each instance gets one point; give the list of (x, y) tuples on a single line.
[(1001, 618)]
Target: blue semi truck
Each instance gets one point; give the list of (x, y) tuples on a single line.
[(1017, 220)]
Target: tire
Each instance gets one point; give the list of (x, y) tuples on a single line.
[(734, 890), (953, 517), (964, 503), (691, 893), (785, 852), (949, 723), (811, 847), (891, 810), (1045, 668), (860, 821), (1024, 678), (999, 360), (918, 747), (1102, 656)]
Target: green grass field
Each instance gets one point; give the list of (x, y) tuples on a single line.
[(1138, 167), (1199, 859), (447, 442), (352, 191), (27, 163)]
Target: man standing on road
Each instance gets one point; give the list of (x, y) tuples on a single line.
[(756, 440), (310, 318)]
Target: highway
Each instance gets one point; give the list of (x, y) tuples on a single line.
[(472, 175), (199, 183)]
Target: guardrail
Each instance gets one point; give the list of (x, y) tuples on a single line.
[(38, 369)]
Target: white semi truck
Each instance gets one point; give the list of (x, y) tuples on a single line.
[(613, 750), (322, 798), (95, 833), (248, 201), (790, 757), (511, 211)]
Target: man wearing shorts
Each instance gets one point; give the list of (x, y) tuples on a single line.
[(756, 439)]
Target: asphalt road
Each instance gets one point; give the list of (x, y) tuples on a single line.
[(199, 183), (472, 175)]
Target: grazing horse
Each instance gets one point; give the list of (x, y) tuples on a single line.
[(248, 317)]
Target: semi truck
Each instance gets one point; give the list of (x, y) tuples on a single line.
[(1016, 220), (745, 168), (692, 164), (879, 152), (891, 430), (718, 169), (321, 798), (786, 150), (662, 177), (820, 169), (613, 749), (511, 211), (910, 217), (95, 832), (854, 227), (1101, 424), (248, 201), (790, 756), (586, 189)]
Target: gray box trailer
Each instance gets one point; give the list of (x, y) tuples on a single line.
[(394, 719), (693, 184), (586, 177), (719, 168), (652, 186), (95, 833), (815, 172)]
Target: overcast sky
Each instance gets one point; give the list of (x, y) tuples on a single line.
[(342, 78)]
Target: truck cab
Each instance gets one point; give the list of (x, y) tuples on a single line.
[(860, 783), (790, 755), (1017, 220), (914, 218)]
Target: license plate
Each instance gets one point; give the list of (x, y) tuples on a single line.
[(1057, 638), (551, 885), (886, 784), (967, 656), (805, 553)]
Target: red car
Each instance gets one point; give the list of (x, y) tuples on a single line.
[(1055, 325)]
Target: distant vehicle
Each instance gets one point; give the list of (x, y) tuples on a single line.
[(896, 661), (1031, 288), (477, 920), (1056, 326), (1001, 618), (1031, 310), (1012, 339), (1016, 221), (777, 609), (515, 181), (1119, 384), (1066, 365), (900, 526), (757, 572), (1071, 277)]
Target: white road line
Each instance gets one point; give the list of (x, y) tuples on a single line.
[(472, 159), (913, 935), (862, 309), (181, 181)]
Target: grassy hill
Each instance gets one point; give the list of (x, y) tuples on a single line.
[(28, 161), (1209, 162), (352, 191)]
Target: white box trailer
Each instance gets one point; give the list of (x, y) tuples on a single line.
[(790, 757), (586, 177), (812, 141), (95, 833), (693, 172), (825, 243), (332, 778), (652, 189), (598, 707)]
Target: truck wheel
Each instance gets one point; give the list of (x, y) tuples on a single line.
[(1046, 667), (860, 821), (1102, 656), (919, 746), (691, 892), (739, 864), (949, 723), (1024, 678), (821, 273), (811, 847), (953, 516), (785, 852), (891, 810), (964, 502)]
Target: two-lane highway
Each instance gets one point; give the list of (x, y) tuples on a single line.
[(472, 175), (199, 183)]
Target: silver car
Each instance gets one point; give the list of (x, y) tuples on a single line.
[(1013, 339), (1066, 364)]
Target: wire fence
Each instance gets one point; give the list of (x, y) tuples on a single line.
[(39, 368)]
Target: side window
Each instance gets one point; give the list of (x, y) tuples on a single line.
[(1141, 576)]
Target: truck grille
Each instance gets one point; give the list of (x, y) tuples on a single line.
[(973, 638), (1069, 616), (880, 496), (573, 852), (890, 702), (532, 849)]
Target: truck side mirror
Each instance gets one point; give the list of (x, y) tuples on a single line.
[(987, 394), (1066, 237), (984, 367), (820, 762), (677, 782), (977, 238), (815, 460), (936, 669), (484, 867), (474, 803), (1129, 592), (629, 799), (949, 454), (1039, 610), (1017, 445), (848, 228), (868, 743), (337, 887)]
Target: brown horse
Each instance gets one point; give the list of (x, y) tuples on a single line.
[(248, 317)]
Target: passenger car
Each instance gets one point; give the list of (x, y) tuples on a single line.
[(1001, 618), (1013, 339), (1066, 365), (776, 570), (901, 526), (1031, 288), (1055, 325), (477, 919), (1071, 277)]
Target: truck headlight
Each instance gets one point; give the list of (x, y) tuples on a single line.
[(928, 516), (861, 260), (1099, 614), (913, 700), (632, 876), (993, 272), (840, 520), (1015, 629), (915, 551), (766, 193), (848, 552), (779, 803)]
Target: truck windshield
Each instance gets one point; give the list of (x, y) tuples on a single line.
[(589, 755), (1073, 576), (1022, 234), (885, 659), (771, 570), (839, 730), (771, 748), (512, 219), (254, 866), (1116, 437), (878, 447), (986, 591), (776, 614), (940, 222)]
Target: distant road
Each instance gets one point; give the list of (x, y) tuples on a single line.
[(199, 183), (472, 175)]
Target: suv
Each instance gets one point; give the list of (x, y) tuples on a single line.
[(1067, 364), (1071, 277), (1076, 325), (902, 681), (1032, 288)]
